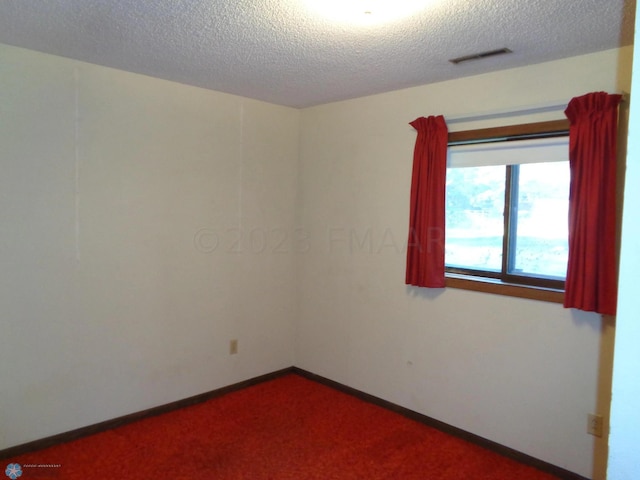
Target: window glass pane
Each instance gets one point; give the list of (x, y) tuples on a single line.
[(542, 224), (474, 217)]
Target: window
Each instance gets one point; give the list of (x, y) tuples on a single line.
[(507, 206)]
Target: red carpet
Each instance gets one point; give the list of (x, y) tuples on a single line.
[(288, 428)]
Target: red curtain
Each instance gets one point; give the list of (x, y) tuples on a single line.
[(425, 252), (591, 282)]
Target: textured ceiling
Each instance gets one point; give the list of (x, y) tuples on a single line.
[(282, 51)]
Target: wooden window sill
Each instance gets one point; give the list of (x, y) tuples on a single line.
[(489, 285)]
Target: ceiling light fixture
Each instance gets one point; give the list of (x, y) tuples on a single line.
[(366, 12)]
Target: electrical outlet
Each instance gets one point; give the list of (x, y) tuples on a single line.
[(594, 426), (233, 347)]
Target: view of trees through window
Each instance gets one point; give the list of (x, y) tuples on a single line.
[(539, 207), (474, 221), (542, 245)]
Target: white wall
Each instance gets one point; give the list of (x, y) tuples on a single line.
[(121, 201), (624, 443), (519, 372), (113, 187)]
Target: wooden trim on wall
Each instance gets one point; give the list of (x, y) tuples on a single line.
[(487, 285), (525, 129), (431, 422), (133, 417), (444, 427)]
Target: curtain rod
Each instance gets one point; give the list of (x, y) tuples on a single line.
[(558, 105)]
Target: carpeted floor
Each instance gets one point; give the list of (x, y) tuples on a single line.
[(288, 428)]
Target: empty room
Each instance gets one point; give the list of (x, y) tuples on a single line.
[(223, 219)]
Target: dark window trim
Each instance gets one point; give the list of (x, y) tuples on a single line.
[(539, 289), (510, 132), (487, 285)]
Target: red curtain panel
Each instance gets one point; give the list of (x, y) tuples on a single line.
[(591, 283), (425, 252)]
